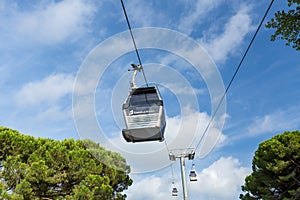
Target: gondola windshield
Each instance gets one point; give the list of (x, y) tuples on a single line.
[(144, 101)]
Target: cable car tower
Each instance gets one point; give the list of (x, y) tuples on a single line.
[(182, 154)]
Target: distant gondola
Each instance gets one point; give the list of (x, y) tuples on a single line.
[(143, 113), (174, 192), (193, 174)]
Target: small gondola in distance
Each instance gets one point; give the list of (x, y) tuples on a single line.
[(193, 174), (174, 192)]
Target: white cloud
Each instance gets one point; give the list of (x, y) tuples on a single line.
[(48, 23), (141, 13), (278, 121), (197, 12), (47, 90), (44, 107), (220, 46), (149, 188), (183, 89), (55, 113), (221, 181)]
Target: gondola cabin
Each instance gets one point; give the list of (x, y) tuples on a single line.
[(193, 175), (174, 192), (144, 115)]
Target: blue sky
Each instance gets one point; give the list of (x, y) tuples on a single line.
[(45, 44)]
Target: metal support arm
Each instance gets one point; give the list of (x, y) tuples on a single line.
[(136, 68)]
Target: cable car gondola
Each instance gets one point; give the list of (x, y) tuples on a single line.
[(193, 174), (174, 190), (143, 113)]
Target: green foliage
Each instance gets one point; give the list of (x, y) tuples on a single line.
[(38, 168), (276, 169), (287, 25)]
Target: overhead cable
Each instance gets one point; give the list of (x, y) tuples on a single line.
[(235, 73), (134, 44)]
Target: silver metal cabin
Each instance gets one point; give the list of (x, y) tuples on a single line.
[(144, 115)]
